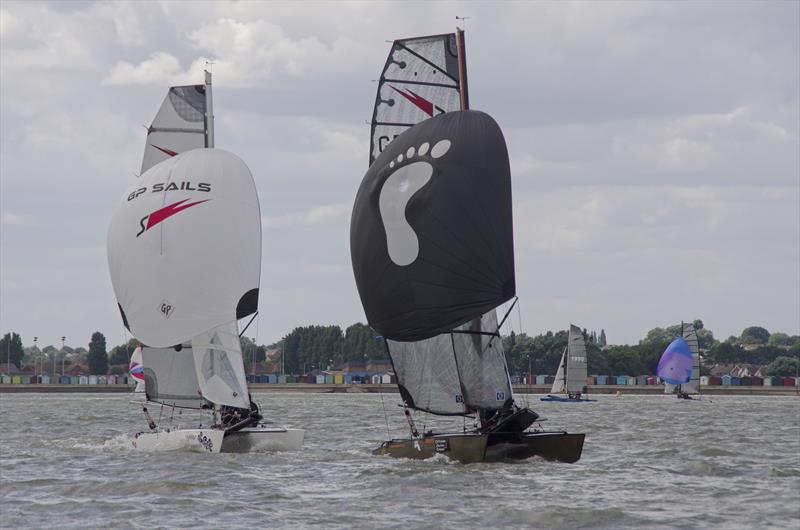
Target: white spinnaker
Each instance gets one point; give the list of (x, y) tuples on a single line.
[(690, 336), (219, 366), (576, 361), (558, 383), (179, 125), (136, 369), (184, 247)]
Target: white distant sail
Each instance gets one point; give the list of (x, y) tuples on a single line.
[(184, 247), (576, 361), (181, 124), (559, 385), (690, 336)]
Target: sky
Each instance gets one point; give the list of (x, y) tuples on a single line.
[(654, 151)]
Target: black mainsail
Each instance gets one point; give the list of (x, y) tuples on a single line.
[(431, 242)]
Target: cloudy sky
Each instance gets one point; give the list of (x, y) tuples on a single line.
[(654, 151)]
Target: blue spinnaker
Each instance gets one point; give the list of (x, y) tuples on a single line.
[(675, 365)]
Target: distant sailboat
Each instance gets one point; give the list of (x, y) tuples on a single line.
[(432, 249), (136, 370), (570, 378), (679, 366), (184, 253)]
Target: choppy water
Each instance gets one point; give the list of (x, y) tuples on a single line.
[(648, 462)]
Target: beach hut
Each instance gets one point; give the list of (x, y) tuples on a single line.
[(92, 380), (386, 379), (338, 379), (651, 380), (590, 380), (746, 381), (641, 379), (282, 379), (602, 379), (541, 379), (16, 380), (112, 379), (714, 380), (25, 379), (726, 380), (376, 379), (321, 379), (273, 379), (788, 381), (756, 381), (328, 379), (768, 380), (704, 380), (44, 379), (622, 380), (736, 381), (6, 380), (102, 380), (549, 379), (632, 381)]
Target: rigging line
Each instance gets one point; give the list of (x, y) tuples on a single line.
[(248, 324), (385, 417)]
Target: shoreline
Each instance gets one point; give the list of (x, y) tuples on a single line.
[(261, 388)]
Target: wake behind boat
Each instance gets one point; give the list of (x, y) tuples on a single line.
[(184, 253), (432, 249), (570, 381)]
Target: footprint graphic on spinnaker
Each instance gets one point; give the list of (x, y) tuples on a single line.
[(410, 176)]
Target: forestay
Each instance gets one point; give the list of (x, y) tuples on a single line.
[(184, 247), (169, 377), (576, 361), (180, 124), (454, 373), (421, 79)]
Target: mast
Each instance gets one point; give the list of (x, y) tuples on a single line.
[(209, 115), (462, 69)]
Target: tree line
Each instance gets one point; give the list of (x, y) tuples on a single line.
[(317, 347)]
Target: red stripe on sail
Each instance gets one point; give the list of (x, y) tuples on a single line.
[(423, 104), (168, 211)]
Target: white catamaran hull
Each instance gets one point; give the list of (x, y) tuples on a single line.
[(250, 439)]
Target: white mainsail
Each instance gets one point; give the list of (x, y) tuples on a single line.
[(690, 336), (576, 361), (422, 78), (181, 124), (559, 383)]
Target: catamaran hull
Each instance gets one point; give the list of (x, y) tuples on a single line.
[(464, 448), (556, 446), (471, 448), (563, 399), (253, 439)]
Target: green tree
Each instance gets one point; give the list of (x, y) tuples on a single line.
[(602, 340), (783, 366), (122, 354), (782, 339), (11, 349), (98, 358), (754, 335)]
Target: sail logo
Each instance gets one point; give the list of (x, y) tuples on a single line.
[(166, 308), (412, 173), (205, 441), (420, 102), (185, 185), (501, 396), (152, 219)]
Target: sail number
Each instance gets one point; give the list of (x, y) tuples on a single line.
[(578, 359)]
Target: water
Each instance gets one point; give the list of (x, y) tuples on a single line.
[(648, 462)]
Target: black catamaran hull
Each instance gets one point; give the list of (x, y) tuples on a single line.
[(494, 447)]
